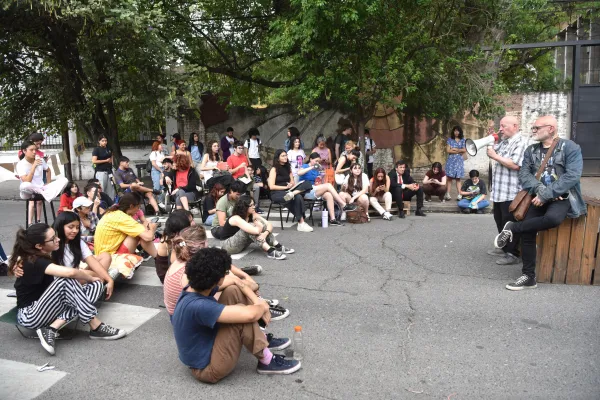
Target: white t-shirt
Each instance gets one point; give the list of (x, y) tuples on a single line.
[(23, 168), (158, 157), (294, 159), (68, 256), (253, 149), (368, 143), (365, 182), (230, 140)]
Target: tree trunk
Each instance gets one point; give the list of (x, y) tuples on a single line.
[(67, 150)]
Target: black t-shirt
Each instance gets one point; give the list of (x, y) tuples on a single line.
[(341, 139), (478, 188), (170, 174), (224, 232), (102, 153), (207, 204), (34, 281)]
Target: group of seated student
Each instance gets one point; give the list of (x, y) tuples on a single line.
[(51, 288), (129, 182)]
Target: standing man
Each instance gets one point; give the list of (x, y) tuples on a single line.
[(341, 139), (403, 187), (237, 161), (369, 150), (227, 143), (557, 194), (252, 146), (507, 156), (102, 159)]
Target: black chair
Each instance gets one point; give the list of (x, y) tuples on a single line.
[(35, 198), (280, 206)]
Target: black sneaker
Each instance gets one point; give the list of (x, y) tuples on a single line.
[(466, 211), (252, 270), (276, 255), (504, 237), (523, 282), (335, 222), (420, 213), (107, 332), (279, 365), (285, 250), (479, 212), (278, 343), (350, 207), (47, 338), (145, 255), (401, 214), (278, 313)]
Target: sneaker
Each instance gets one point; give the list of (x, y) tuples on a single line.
[(343, 216), (479, 212), (278, 343), (349, 207), (271, 302), (259, 211), (465, 211), (47, 338), (195, 211), (335, 222), (420, 213), (459, 197), (427, 198), (278, 312), (161, 205), (252, 270), (523, 282), (288, 196), (304, 227), (286, 250), (401, 214), (496, 252), (508, 259), (276, 255), (279, 365), (145, 255), (107, 332), (387, 216), (504, 237), (113, 273), (447, 196)]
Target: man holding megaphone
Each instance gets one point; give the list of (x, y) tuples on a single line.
[(506, 156)]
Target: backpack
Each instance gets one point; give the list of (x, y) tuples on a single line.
[(248, 143), (149, 166), (357, 216)]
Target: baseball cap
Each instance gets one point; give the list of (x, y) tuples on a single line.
[(82, 201)]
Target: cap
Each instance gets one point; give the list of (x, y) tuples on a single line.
[(82, 201), (298, 328)]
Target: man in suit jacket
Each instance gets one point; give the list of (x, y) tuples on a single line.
[(403, 187)]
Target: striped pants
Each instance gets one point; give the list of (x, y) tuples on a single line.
[(64, 299)]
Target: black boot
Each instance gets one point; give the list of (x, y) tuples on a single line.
[(401, 214), (420, 213)]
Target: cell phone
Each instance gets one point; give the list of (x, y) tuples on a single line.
[(95, 194)]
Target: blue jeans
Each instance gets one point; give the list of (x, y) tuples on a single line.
[(209, 220), (155, 174), (464, 203)]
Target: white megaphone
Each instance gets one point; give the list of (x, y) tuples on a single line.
[(473, 145)]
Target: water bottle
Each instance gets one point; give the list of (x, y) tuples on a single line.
[(324, 218), (298, 344)]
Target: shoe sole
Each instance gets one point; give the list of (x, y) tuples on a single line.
[(515, 261), (282, 346), (282, 316), (289, 251), (516, 289), (115, 337), (45, 345), (254, 270), (283, 257), (282, 372)]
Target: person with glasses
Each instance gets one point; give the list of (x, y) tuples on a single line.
[(48, 294), (557, 194), (237, 161), (506, 157)]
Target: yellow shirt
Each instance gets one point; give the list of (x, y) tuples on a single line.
[(112, 230)]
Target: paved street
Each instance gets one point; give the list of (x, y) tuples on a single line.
[(407, 309)]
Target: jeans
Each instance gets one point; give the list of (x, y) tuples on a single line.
[(502, 216), (106, 183), (209, 220), (548, 216), (155, 174), (465, 203)]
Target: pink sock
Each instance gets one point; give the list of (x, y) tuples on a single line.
[(267, 356)]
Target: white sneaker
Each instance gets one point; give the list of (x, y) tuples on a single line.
[(387, 216), (288, 196), (343, 216), (161, 205), (195, 211), (304, 227)]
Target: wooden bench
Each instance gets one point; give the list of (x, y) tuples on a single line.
[(569, 253)]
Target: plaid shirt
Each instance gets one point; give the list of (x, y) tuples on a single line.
[(505, 181)]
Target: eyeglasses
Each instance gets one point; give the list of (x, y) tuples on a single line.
[(52, 239), (534, 128), (227, 272)]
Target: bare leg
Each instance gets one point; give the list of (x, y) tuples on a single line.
[(457, 186), (31, 206), (131, 243), (448, 185), (328, 188), (104, 259), (184, 203), (39, 210), (329, 200), (149, 247), (152, 201)]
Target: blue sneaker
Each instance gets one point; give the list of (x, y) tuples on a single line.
[(277, 343), (278, 366)]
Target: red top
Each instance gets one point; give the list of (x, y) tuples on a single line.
[(181, 178), (66, 202), (437, 176), (172, 289), (233, 161)]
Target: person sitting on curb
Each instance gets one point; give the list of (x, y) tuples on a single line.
[(177, 221), (210, 334), (355, 188), (226, 203), (309, 172), (129, 182), (209, 204), (379, 190), (434, 183), (403, 187), (245, 227), (474, 193), (118, 233), (281, 180), (49, 295), (82, 206)]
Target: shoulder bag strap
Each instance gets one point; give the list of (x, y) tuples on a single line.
[(545, 162)]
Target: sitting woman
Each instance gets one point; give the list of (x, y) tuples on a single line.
[(309, 172), (355, 188), (245, 227), (177, 221), (82, 206), (342, 169), (118, 233), (474, 193), (349, 146), (186, 180), (434, 183), (210, 334), (72, 250), (49, 295), (209, 204), (70, 193), (281, 180), (379, 190)]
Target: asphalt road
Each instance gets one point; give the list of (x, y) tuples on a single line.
[(407, 309)]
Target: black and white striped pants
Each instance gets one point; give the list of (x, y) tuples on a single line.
[(64, 299)]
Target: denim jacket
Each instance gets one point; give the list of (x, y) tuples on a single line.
[(568, 164)]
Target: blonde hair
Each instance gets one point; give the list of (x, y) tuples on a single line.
[(189, 241), (350, 143)]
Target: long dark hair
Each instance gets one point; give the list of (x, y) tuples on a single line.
[(211, 155), (125, 203), (67, 190), (354, 182), (25, 241), (198, 143), (177, 221), (24, 147), (460, 132), (277, 165), (242, 206), (376, 182), (437, 165), (58, 255)]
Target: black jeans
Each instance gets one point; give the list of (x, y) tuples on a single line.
[(548, 216), (370, 170), (399, 195), (502, 216), (296, 205), (255, 162)]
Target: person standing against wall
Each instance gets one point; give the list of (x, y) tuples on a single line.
[(369, 151), (102, 159), (252, 147), (227, 142)]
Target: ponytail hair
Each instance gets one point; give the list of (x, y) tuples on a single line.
[(125, 202), (189, 241), (24, 248)]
